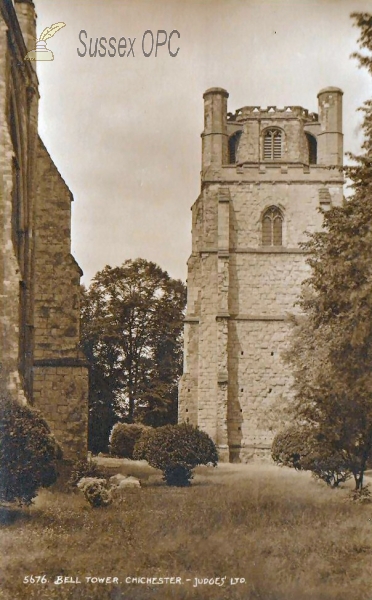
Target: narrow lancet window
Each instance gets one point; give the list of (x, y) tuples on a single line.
[(272, 227), (233, 146), (312, 149)]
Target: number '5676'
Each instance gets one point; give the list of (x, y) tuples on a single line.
[(35, 579)]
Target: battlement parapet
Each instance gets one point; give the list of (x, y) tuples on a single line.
[(271, 112), (274, 173)]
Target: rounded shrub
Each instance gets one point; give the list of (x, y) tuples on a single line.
[(97, 494), (28, 452), (177, 450), (123, 438), (306, 449), (290, 446), (142, 444)]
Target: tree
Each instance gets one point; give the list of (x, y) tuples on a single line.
[(305, 448), (132, 323), (331, 351)]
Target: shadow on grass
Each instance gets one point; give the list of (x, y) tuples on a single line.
[(10, 515)]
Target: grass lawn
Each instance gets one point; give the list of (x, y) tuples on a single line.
[(287, 536)]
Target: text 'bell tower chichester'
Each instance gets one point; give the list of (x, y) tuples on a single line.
[(265, 174)]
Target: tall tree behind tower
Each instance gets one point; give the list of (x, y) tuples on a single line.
[(132, 323)]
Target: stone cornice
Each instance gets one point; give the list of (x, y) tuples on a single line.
[(61, 362), (239, 317), (253, 317), (274, 181), (191, 319), (251, 250)]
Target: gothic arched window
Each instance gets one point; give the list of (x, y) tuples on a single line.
[(312, 148), (272, 227), (272, 146), (233, 146)]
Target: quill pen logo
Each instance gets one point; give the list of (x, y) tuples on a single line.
[(41, 52)]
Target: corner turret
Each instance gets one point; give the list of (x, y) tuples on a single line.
[(215, 135), (330, 137)]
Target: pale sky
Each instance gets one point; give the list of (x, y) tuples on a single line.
[(125, 132)]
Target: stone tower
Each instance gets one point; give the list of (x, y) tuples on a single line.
[(265, 174)]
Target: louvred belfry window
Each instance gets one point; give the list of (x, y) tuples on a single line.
[(272, 227), (272, 144)]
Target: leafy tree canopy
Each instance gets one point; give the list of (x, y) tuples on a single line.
[(132, 324), (331, 352)]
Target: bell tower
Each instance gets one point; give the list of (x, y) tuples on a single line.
[(264, 176)]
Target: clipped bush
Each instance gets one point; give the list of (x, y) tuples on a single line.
[(123, 438), (96, 493), (28, 452), (290, 446), (177, 450), (303, 448), (142, 444), (84, 468)]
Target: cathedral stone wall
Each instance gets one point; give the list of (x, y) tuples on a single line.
[(242, 287), (40, 362), (60, 385), (57, 275), (14, 101)]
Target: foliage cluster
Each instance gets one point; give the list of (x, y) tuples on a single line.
[(28, 452), (142, 444), (131, 329), (176, 450), (97, 493), (331, 353), (123, 438), (84, 468), (303, 448)]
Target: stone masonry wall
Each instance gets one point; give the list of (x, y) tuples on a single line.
[(61, 393), (259, 384), (18, 117), (9, 275), (298, 203), (60, 372), (207, 358), (251, 141), (57, 275), (265, 284)]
